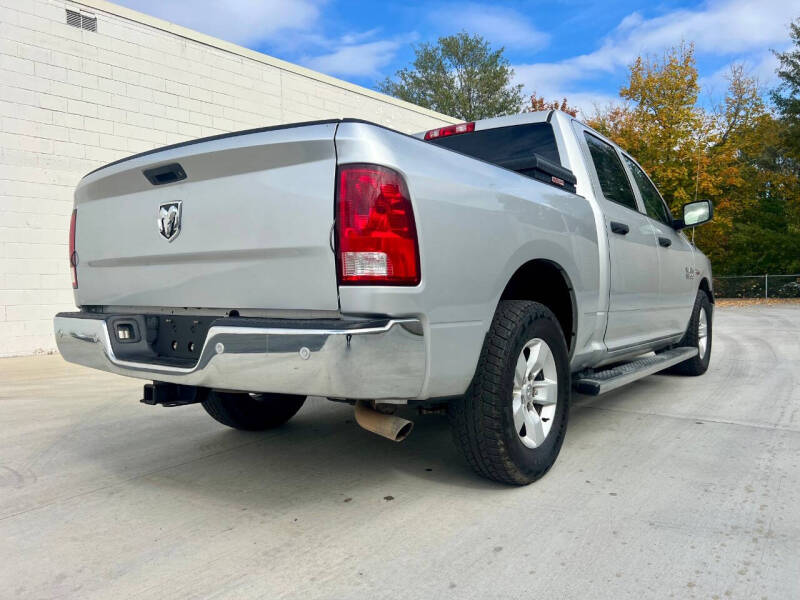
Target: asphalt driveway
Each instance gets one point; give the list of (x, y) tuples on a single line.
[(671, 487)]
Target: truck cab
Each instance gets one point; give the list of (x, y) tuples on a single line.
[(647, 287)]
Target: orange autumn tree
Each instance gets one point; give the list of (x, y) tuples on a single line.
[(661, 125), (538, 103)]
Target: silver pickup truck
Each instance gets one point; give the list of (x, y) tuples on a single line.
[(482, 269)]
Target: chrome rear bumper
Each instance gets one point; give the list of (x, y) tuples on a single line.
[(384, 359)]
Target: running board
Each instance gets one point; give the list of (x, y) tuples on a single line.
[(594, 383)]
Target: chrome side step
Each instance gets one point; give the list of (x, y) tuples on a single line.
[(594, 383)]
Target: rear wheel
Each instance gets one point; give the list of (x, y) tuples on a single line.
[(511, 422), (698, 335), (252, 412)]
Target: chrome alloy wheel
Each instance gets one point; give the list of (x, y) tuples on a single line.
[(535, 393), (702, 334)]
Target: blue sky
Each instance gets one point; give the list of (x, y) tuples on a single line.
[(559, 48)]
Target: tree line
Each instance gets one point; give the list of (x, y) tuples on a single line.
[(742, 152)]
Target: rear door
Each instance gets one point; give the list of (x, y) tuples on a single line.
[(677, 285), (633, 254)]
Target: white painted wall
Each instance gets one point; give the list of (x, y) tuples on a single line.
[(72, 100)]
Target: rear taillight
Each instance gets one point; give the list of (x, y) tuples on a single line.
[(376, 233), (450, 130), (73, 256)]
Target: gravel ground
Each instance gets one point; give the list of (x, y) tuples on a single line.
[(671, 487)]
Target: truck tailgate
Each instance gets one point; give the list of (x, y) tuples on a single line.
[(256, 211)]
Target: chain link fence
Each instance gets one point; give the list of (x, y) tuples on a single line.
[(757, 286)]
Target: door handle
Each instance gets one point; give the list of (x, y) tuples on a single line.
[(664, 242), (620, 228)]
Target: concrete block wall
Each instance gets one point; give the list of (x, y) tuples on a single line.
[(72, 100)]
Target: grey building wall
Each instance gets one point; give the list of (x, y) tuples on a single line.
[(72, 99)]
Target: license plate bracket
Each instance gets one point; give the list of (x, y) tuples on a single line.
[(181, 336)]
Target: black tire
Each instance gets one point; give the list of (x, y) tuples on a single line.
[(696, 365), (252, 412), (482, 420)]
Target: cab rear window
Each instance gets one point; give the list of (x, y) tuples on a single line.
[(503, 144), (528, 149)]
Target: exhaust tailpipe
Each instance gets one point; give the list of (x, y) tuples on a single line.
[(388, 426)]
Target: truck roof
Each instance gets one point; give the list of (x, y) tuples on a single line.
[(538, 116)]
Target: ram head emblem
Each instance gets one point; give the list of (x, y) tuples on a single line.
[(169, 219)]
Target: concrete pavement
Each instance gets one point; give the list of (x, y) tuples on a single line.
[(670, 488)]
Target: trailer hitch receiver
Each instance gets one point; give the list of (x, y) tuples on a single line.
[(172, 394)]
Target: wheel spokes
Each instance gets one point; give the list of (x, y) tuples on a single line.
[(546, 391), (520, 372), (535, 393), (539, 355), (518, 412), (533, 427)]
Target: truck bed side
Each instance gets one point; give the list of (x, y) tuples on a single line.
[(478, 223)]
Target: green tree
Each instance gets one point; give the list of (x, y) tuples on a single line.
[(786, 96), (764, 199), (460, 76)]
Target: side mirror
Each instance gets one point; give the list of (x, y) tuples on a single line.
[(695, 213)]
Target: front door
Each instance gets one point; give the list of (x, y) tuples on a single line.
[(677, 277)]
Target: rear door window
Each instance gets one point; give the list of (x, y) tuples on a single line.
[(653, 203), (613, 179)]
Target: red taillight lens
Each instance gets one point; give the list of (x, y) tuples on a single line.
[(73, 256), (376, 233), (450, 130)]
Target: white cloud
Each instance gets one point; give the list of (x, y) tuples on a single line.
[(763, 66), (357, 60), (500, 26), (742, 28), (292, 27), (240, 21), (354, 55), (760, 66), (554, 82), (721, 27)]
